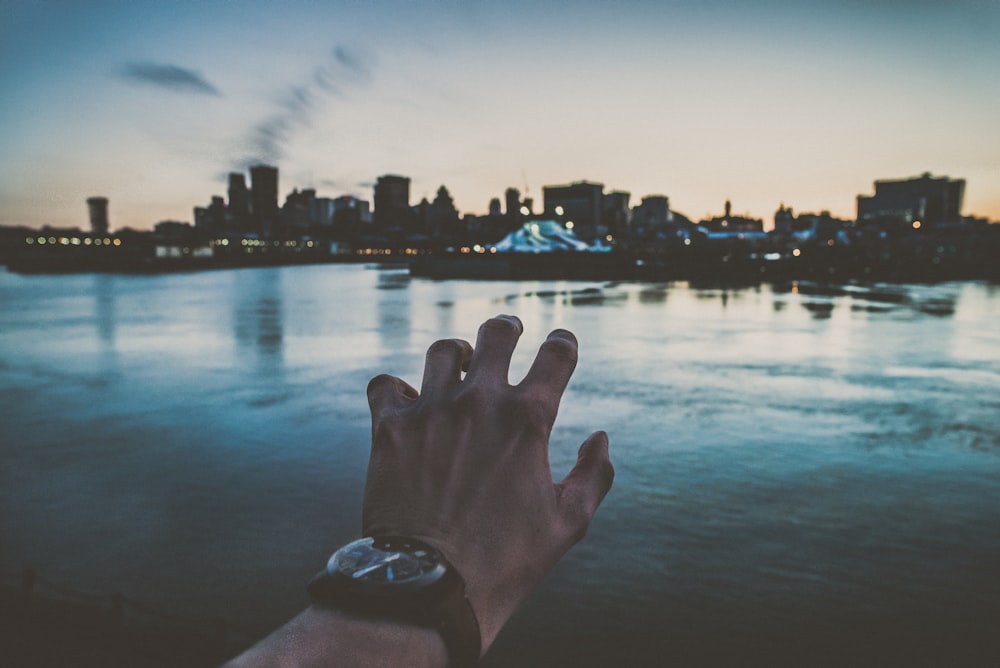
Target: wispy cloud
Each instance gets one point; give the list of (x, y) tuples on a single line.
[(170, 77), (268, 140)]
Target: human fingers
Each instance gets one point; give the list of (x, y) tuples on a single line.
[(494, 347), (553, 365), (387, 393), (444, 363), (586, 485)]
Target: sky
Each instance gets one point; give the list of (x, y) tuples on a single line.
[(762, 102)]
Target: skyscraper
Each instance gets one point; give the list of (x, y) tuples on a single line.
[(264, 199), (239, 203), (97, 207), (392, 200)]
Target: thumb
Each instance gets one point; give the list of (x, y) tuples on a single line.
[(585, 486)]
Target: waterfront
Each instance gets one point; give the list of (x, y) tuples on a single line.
[(799, 468)]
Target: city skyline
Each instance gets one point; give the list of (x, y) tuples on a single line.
[(763, 103)]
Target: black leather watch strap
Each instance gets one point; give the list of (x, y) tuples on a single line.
[(441, 606)]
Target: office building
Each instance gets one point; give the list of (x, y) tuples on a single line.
[(925, 199), (580, 203), (238, 211), (264, 200), (392, 200), (97, 207)]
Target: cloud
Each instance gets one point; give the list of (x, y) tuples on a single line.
[(269, 139), (171, 77)]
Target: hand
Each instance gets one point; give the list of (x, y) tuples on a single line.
[(463, 465)]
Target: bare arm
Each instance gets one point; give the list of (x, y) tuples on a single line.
[(463, 465)]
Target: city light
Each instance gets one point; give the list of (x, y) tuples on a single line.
[(916, 224)]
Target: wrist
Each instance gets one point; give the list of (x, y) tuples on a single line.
[(404, 580)]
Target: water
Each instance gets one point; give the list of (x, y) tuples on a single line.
[(804, 476)]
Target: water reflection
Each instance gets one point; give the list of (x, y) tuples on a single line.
[(258, 319), (105, 312), (819, 310), (655, 294), (393, 308)]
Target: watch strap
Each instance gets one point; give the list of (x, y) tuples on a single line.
[(443, 607)]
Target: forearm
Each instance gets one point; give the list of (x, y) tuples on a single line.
[(326, 637)]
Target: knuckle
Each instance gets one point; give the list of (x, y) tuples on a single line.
[(535, 409), (474, 396)]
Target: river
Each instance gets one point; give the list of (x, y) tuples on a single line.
[(805, 474)]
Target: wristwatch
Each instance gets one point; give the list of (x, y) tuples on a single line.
[(403, 579)]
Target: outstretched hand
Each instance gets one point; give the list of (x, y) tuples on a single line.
[(463, 464)]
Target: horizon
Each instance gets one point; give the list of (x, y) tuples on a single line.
[(765, 104)]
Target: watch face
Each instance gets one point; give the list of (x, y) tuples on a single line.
[(388, 563)]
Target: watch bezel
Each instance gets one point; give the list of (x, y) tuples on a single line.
[(334, 583)]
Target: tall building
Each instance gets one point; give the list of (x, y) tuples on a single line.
[(581, 203), (211, 218), (97, 208), (297, 210), (264, 199), (512, 203), (925, 199), (652, 214), (617, 214), (392, 200), (239, 203)]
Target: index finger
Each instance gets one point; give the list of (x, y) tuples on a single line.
[(554, 364)]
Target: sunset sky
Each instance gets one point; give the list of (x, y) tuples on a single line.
[(763, 102)]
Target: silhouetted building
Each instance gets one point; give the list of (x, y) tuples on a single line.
[(360, 208), (783, 220), (730, 223), (495, 207), (651, 216), (97, 207), (212, 218), (617, 214), (264, 199), (239, 203), (580, 203), (442, 216), (821, 226), (392, 201), (173, 229), (352, 218), (296, 211), (512, 203), (321, 211), (925, 199)]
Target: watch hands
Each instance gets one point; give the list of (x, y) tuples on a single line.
[(374, 567)]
